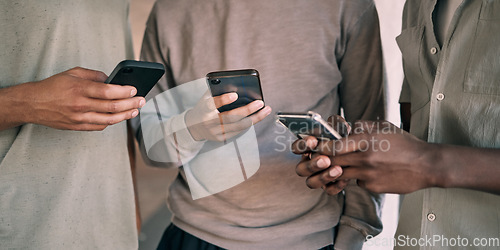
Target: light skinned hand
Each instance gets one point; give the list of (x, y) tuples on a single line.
[(206, 123), (77, 99)]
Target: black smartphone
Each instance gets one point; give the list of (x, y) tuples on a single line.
[(245, 83), (307, 124), (142, 75)]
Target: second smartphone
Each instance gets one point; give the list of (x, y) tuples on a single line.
[(142, 75), (245, 83)]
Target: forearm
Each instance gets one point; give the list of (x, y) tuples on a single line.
[(15, 108), (466, 167)]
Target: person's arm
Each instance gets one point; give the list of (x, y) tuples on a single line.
[(178, 119), (385, 159), (77, 99), (175, 135), (361, 97)]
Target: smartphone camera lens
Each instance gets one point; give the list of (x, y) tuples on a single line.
[(215, 81), (128, 70)]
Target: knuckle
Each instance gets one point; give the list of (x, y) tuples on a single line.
[(309, 183), (332, 189), (77, 119), (324, 178), (113, 107), (106, 92), (299, 171), (110, 121), (342, 184), (115, 119), (250, 109), (78, 106), (310, 167), (75, 87), (219, 137), (368, 158)]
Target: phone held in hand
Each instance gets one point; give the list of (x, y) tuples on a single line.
[(307, 124), (142, 75), (245, 83)]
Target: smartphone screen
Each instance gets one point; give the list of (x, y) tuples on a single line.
[(142, 75), (245, 83)]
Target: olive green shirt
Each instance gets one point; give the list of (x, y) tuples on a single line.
[(454, 93)]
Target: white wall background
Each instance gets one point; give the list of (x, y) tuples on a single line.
[(390, 16)]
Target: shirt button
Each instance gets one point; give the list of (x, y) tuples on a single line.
[(431, 217), (440, 96), (434, 50)]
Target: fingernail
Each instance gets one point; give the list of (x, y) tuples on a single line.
[(310, 143), (142, 103), (233, 96), (134, 114), (133, 92), (259, 104), (334, 172), (321, 163)]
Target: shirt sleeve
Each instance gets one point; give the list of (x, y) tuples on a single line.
[(361, 91), (404, 97), (362, 97)]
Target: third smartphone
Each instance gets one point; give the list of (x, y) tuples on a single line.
[(307, 124)]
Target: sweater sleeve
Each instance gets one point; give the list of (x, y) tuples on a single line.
[(164, 139), (361, 95), (362, 88)]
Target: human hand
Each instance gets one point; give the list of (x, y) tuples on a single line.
[(382, 157), (77, 99), (315, 166), (204, 122)]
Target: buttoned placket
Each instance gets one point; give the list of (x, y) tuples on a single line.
[(437, 96)]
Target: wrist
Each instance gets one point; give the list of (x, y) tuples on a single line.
[(16, 106), (192, 128), (193, 132), (437, 172)]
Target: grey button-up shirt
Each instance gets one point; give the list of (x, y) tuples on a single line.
[(454, 91)]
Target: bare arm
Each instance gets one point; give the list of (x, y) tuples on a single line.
[(398, 162), (76, 99)]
